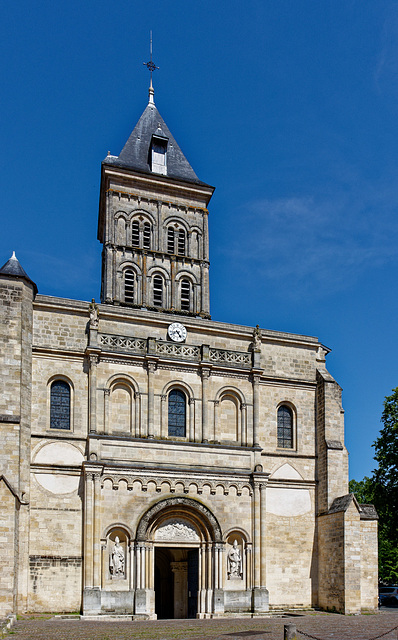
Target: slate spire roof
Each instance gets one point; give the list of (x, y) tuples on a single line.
[(136, 152), (12, 268)]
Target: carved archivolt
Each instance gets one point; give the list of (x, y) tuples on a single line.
[(188, 508)]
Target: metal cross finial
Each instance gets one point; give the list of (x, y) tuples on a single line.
[(152, 67)]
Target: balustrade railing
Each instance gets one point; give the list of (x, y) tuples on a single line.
[(165, 349)]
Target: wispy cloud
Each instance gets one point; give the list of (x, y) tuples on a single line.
[(386, 72), (323, 242)]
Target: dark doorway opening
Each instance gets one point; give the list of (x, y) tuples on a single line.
[(176, 582), (193, 582), (164, 584)]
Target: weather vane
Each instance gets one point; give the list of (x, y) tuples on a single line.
[(151, 65)]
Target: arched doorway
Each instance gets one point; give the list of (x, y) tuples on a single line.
[(178, 560)]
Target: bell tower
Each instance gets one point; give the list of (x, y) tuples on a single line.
[(153, 224)]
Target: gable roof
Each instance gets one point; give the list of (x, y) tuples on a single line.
[(366, 511), (136, 152)]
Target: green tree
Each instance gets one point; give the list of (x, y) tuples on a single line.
[(363, 490), (382, 489), (386, 475)]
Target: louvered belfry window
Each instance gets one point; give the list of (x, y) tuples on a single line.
[(177, 413), (181, 242), (129, 286), (147, 235), (285, 427), (158, 291), (60, 405), (185, 295), (135, 233), (170, 240)]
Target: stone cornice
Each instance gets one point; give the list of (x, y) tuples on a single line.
[(198, 325)]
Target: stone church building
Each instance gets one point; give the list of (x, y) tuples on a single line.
[(155, 463)]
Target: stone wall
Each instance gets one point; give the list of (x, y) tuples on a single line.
[(331, 562), (290, 552), (369, 565), (16, 297), (8, 530), (332, 467), (55, 583)]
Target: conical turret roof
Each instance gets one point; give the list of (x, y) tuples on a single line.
[(12, 268)]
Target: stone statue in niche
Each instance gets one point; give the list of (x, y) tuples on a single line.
[(94, 314), (116, 560), (234, 562)]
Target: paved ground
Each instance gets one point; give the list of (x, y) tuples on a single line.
[(326, 626)]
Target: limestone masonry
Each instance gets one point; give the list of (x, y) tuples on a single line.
[(157, 463)]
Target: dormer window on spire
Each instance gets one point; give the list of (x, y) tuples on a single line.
[(158, 152)]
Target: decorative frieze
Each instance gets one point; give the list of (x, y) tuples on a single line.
[(177, 483)]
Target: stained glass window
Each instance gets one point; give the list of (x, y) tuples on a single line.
[(60, 405), (285, 427), (177, 413)]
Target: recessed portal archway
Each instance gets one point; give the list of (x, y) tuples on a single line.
[(179, 559)]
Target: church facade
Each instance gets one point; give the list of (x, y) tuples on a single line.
[(156, 463)]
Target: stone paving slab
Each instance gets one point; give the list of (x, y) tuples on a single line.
[(326, 626)]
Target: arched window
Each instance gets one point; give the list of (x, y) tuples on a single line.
[(141, 237), (135, 233), (170, 240), (181, 242), (147, 236), (185, 295), (285, 427), (60, 405), (158, 291), (177, 413), (129, 286)]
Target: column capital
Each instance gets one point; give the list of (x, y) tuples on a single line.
[(205, 372), (93, 356), (260, 480), (151, 365)]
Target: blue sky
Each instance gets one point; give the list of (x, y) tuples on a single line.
[(288, 107)]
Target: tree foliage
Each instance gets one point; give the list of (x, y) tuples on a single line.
[(382, 489)]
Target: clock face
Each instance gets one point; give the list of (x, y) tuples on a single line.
[(177, 332)]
